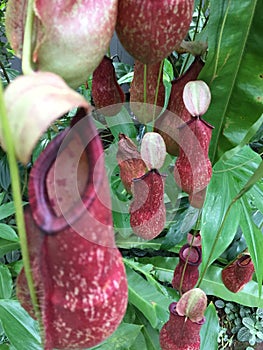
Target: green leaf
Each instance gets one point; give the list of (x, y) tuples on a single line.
[(163, 268), (212, 284), (126, 79), (151, 335), (251, 132), (168, 72), (15, 267), (7, 246), (153, 304), (254, 239), (231, 175), (233, 70), (121, 69), (248, 322), (147, 270), (7, 209), (8, 233), (183, 224), (122, 338), (243, 334), (135, 241), (18, 326), (215, 208), (2, 196), (210, 329), (121, 123), (4, 347), (6, 283), (4, 173), (139, 343)]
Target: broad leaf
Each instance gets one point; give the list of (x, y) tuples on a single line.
[(233, 70), (7, 209), (121, 123), (19, 327), (254, 239), (183, 224), (151, 335), (210, 329), (231, 175), (216, 206), (6, 283), (5, 347), (4, 173), (153, 304), (122, 338), (8, 233), (7, 246)]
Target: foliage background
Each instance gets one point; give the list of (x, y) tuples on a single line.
[(233, 70)]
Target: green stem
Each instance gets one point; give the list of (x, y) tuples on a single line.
[(219, 42), (194, 36), (198, 19), (157, 89), (27, 42), (16, 190), (185, 266)]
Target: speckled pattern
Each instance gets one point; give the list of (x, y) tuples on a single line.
[(193, 169), (146, 113), (81, 287), (238, 273), (78, 271), (180, 333), (191, 272), (167, 124), (106, 92), (129, 160), (148, 214), (151, 29)]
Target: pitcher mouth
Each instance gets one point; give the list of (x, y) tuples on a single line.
[(244, 261), (40, 201), (193, 254)]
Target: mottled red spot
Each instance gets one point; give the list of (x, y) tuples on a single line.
[(130, 163), (78, 271), (150, 30), (106, 92), (185, 278), (146, 111), (147, 211), (180, 333), (237, 274), (193, 169), (167, 124)]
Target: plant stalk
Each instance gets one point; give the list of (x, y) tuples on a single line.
[(16, 190), (157, 89), (27, 41)]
